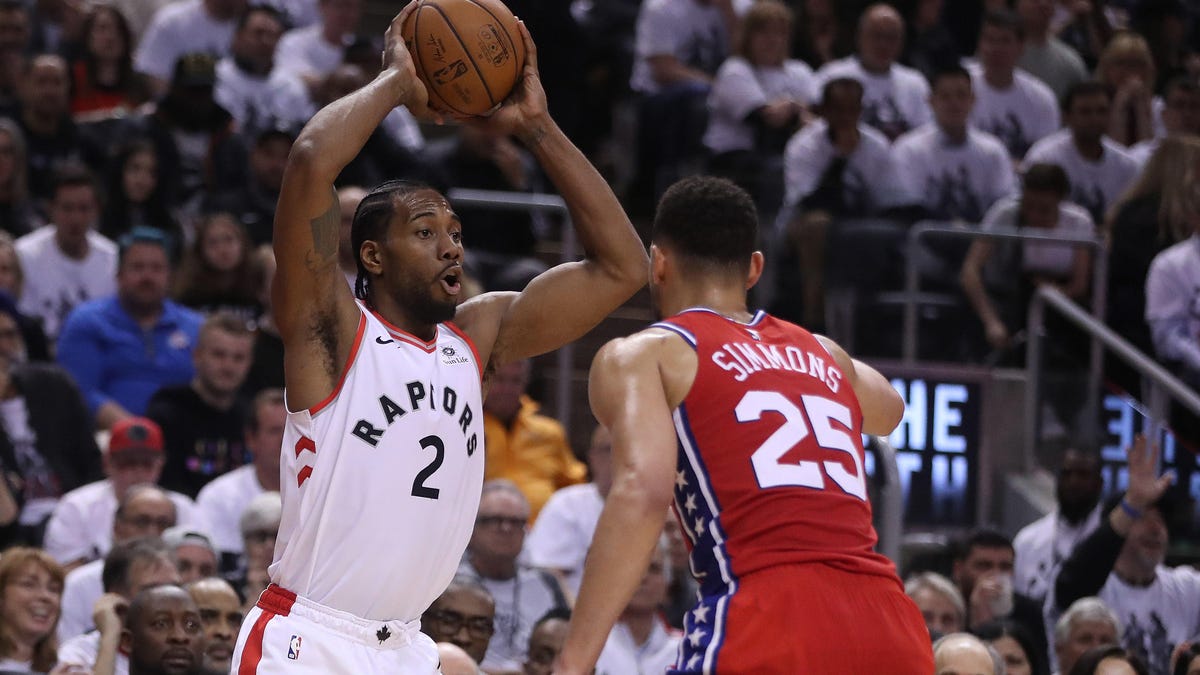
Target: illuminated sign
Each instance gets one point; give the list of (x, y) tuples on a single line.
[(1122, 419), (937, 445)]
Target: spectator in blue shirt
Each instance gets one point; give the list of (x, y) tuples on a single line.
[(121, 349)]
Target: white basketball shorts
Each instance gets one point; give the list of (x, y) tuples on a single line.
[(289, 635)]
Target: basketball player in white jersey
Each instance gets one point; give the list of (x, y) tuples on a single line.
[(382, 458)]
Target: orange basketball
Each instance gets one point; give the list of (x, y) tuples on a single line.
[(469, 53)]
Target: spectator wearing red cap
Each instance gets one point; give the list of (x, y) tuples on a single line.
[(80, 530)]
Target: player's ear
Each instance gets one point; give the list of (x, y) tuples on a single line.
[(658, 264), (370, 255), (756, 269)]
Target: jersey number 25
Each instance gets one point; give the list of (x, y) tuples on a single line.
[(770, 471)]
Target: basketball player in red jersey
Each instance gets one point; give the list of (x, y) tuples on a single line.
[(382, 459), (753, 426)]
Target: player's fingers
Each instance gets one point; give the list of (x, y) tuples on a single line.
[(530, 47), (404, 12)]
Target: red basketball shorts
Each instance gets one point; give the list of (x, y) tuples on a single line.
[(809, 618)]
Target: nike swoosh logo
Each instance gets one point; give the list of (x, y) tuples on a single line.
[(381, 341)]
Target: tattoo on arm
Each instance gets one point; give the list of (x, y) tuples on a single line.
[(325, 229)]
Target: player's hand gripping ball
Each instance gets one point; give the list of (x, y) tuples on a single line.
[(469, 53)]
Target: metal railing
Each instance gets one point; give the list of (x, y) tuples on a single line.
[(890, 527), (1158, 385), (533, 202), (912, 296)]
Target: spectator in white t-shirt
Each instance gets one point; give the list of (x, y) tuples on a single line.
[(66, 262), (1010, 104), (145, 512), (1041, 205), (1042, 545), (1173, 305), (80, 530), (522, 594), (129, 569), (1180, 115), (758, 99), (1099, 170), (678, 47), (1122, 564), (256, 93), (185, 27), (313, 52), (224, 499), (640, 641), (895, 97), (563, 530), (954, 171), (835, 167)]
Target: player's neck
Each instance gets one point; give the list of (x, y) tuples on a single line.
[(728, 302), (394, 314)]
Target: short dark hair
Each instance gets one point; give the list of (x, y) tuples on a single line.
[(1004, 19), (711, 221), (1090, 660), (371, 221), (270, 11), (947, 71), (138, 604), (74, 175), (1047, 178), (1085, 88), (561, 613), (983, 537), (269, 396), (1000, 628), (839, 83), (143, 235), (114, 577)]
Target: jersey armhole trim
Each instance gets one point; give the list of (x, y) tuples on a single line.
[(678, 330), (470, 343), (337, 389)]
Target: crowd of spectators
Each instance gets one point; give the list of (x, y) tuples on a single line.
[(142, 148)]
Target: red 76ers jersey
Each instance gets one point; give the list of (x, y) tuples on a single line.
[(771, 462)]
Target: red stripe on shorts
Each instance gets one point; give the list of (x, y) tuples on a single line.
[(252, 653)]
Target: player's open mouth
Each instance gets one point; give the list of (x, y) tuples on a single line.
[(451, 283)]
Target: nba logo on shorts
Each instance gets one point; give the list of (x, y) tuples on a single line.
[(294, 648)]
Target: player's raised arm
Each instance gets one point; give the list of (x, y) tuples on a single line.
[(630, 397), (882, 406), (565, 302), (314, 308)]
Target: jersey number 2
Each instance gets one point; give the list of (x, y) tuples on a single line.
[(820, 412), (420, 489)]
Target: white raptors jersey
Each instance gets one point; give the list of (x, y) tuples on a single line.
[(381, 481)]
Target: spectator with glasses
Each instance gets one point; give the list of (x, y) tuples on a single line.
[(80, 529), (464, 615), (260, 528), (145, 512), (521, 594)]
